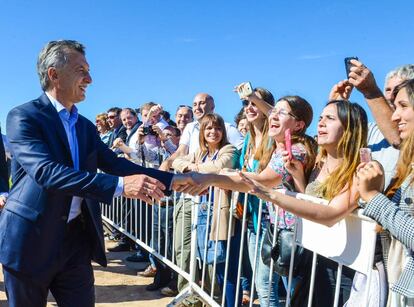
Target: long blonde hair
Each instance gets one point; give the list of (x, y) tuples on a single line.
[(355, 123), (264, 151), (406, 160)]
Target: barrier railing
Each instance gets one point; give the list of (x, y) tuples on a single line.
[(350, 242)]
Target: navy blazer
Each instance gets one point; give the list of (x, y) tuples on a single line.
[(33, 222)]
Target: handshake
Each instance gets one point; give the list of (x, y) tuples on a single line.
[(148, 189)]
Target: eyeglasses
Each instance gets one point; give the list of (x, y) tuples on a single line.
[(281, 113), (246, 103), (112, 116)]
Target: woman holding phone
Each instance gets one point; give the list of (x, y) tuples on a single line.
[(394, 209), (290, 112), (342, 131)]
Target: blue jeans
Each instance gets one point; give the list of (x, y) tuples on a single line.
[(265, 291)]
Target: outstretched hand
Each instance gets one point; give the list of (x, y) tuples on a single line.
[(258, 189), (143, 187), (190, 183)]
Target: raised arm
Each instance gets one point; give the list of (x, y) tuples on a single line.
[(363, 79), (258, 101)]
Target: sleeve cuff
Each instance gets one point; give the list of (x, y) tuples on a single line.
[(120, 187), (374, 207)]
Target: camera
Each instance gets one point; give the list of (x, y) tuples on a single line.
[(245, 89), (148, 130)]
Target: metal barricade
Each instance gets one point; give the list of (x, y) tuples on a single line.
[(354, 249)]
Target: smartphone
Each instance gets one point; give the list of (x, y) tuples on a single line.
[(365, 155), (288, 143), (245, 89), (348, 64)]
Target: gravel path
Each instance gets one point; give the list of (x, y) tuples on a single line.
[(116, 285)]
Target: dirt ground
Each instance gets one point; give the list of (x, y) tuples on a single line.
[(116, 285)]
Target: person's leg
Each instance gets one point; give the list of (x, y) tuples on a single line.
[(182, 239), (268, 295), (232, 270), (22, 290), (73, 285)]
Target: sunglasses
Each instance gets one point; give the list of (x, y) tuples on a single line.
[(112, 116), (246, 103)]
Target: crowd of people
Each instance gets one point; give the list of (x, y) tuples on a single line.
[(331, 168), (268, 143)]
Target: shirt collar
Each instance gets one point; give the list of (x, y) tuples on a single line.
[(73, 115)]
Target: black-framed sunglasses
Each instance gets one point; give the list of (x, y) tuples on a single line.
[(246, 103)]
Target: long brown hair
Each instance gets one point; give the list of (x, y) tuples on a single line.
[(218, 122), (355, 123), (406, 160), (266, 147)]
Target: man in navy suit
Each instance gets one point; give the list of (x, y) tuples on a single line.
[(50, 227)]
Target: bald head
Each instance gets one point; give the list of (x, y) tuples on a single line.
[(203, 104)]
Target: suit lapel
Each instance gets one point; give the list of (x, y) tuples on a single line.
[(56, 123)]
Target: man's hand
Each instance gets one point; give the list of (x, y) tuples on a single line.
[(190, 183), (363, 79), (143, 187), (341, 91), (159, 132)]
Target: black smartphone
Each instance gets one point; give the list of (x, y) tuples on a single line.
[(348, 64)]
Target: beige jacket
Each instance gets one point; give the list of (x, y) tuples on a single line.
[(227, 157)]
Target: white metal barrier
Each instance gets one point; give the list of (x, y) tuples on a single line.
[(350, 242)]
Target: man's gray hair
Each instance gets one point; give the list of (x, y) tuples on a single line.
[(55, 54), (405, 72)]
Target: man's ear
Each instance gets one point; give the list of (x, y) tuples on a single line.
[(52, 74)]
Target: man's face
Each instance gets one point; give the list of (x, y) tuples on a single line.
[(201, 106), (128, 119), (170, 134), (183, 117), (71, 80), (113, 120), (389, 87)]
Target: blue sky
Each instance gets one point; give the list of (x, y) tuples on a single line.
[(167, 51)]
